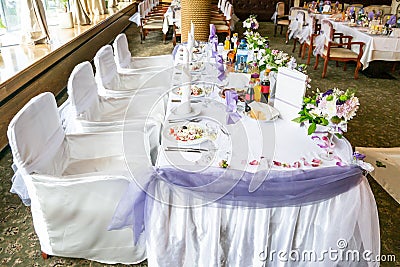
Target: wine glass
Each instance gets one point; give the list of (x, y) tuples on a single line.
[(208, 89)]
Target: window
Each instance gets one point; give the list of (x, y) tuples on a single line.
[(9, 10)]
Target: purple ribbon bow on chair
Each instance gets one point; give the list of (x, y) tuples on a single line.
[(219, 61), (392, 20), (371, 15), (231, 107)]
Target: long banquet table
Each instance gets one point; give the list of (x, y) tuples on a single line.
[(377, 47), (195, 213)]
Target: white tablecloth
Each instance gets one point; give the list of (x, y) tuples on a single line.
[(200, 234), (377, 47)]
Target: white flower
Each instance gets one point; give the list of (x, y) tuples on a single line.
[(331, 108)]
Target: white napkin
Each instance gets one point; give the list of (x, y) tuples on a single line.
[(185, 55), (263, 112), (192, 29), (190, 44), (186, 90)]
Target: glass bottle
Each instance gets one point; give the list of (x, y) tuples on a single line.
[(265, 86)]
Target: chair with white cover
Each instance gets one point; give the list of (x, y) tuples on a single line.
[(73, 183), (125, 61), (113, 83), (290, 90), (89, 112)]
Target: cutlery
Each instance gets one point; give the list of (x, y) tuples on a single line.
[(185, 119), (191, 101), (183, 150), (186, 148)]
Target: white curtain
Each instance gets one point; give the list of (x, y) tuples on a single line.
[(79, 13), (34, 28), (95, 7)]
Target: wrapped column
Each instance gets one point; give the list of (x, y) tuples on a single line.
[(197, 11)]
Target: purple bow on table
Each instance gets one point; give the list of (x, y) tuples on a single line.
[(351, 10), (219, 61), (213, 34), (231, 107)]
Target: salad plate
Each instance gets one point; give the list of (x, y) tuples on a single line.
[(197, 91), (186, 133)]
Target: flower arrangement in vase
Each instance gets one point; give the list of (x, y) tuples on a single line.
[(251, 23), (330, 110)]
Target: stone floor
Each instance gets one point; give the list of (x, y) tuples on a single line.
[(376, 125)]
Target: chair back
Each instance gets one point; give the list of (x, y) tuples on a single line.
[(142, 10), (122, 55), (290, 90), (36, 136), (280, 9), (106, 69), (82, 90)]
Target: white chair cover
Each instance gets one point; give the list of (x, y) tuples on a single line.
[(125, 61), (112, 83), (296, 24), (74, 184), (290, 90), (89, 112), (323, 38)]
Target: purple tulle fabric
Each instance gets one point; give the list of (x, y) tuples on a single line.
[(232, 115), (278, 189)]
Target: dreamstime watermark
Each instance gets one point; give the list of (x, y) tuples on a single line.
[(338, 254)]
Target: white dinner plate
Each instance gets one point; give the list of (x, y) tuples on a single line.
[(196, 110)]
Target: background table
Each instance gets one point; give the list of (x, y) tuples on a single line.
[(377, 47)]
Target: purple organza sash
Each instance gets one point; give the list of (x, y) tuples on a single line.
[(228, 187), (232, 115)]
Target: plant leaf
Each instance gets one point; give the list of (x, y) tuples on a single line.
[(312, 128)]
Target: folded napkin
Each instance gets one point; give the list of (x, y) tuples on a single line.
[(219, 61), (262, 111), (231, 107), (371, 15)]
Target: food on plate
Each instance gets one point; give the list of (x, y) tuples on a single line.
[(196, 90), (240, 93), (196, 66), (187, 132), (257, 114)]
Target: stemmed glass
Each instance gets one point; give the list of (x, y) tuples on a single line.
[(208, 89)]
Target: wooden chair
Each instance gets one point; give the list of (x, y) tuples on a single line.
[(339, 52), (149, 23), (226, 27), (280, 18), (176, 28)]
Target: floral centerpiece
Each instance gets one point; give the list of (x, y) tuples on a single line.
[(251, 23), (333, 108), (255, 41), (273, 59)]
